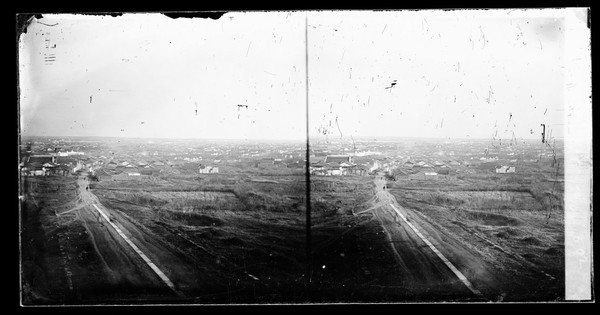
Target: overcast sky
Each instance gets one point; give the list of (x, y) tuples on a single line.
[(465, 73)]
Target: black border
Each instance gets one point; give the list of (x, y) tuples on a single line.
[(11, 237)]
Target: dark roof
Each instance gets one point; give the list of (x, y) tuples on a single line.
[(146, 172), (398, 171), (332, 166), (35, 165), (102, 173), (337, 158), (116, 172), (40, 159), (357, 168), (190, 166)]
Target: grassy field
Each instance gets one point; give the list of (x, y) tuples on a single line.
[(249, 235), (515, 221), (247, 232), (254, 227)]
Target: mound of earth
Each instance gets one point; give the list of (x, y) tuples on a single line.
[(492, 219), (553, 251), (209, 232), (531, 241), (508, 232), (194, 219)]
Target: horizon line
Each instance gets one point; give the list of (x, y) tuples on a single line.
[(279, 139)]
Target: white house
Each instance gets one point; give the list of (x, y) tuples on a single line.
[(505, 169), (334, 172), (78, 166), (204, 169), (376, 165)]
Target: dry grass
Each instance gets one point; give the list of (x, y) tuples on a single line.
[(231, 226), (506, 218)]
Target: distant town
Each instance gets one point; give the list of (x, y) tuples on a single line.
[(60, 156)]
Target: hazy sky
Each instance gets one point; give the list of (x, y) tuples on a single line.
[(466, 73)]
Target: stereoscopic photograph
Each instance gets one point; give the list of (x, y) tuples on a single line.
[(304, 157)]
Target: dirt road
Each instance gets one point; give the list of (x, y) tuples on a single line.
[(136, 262), (430, 262)]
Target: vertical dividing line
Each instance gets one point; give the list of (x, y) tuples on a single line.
[(306, 171), (22, 179)]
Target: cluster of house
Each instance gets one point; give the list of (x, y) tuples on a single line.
[(421, 170), (143, 170), (268, 162), (337, 165), (126, 170), (70, 153), (438, 170), (340, 165), (51, 164), (122, 169)]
